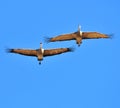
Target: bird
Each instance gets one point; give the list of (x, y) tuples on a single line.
[(40, 53), (78, 36)]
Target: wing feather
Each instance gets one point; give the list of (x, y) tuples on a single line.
[(51, 52), (23, 52), (63, 37), (91, 35)]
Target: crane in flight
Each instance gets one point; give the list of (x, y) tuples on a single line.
[(78, 36), (40, 53)]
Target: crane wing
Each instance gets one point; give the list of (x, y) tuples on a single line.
[(51, 52), (91, 35), (26, 52), (63, 37)]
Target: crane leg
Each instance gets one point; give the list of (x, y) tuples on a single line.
[(39, 62)]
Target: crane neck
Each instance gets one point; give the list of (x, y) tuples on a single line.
[(40, 45), (80, 32)]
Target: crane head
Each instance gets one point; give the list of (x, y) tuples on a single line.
[(79, 30)]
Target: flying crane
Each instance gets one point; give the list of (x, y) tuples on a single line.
[(40, 53), (78, 36)]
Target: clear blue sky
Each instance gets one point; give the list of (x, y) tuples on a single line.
[(86, 78)]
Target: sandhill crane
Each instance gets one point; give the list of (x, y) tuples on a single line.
[(78, 36), (40, 53)]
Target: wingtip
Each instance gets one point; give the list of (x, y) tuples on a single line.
[(71, 49), (110, 36), (8, 50), (47, 39)]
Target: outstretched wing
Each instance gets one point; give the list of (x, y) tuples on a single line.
[(51, 52), (23, 52), (63, 37), (91, 35)]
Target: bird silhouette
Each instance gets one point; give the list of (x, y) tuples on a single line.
[(40, 53), (78, 36)]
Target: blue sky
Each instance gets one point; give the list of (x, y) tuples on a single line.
[(86, 78)]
